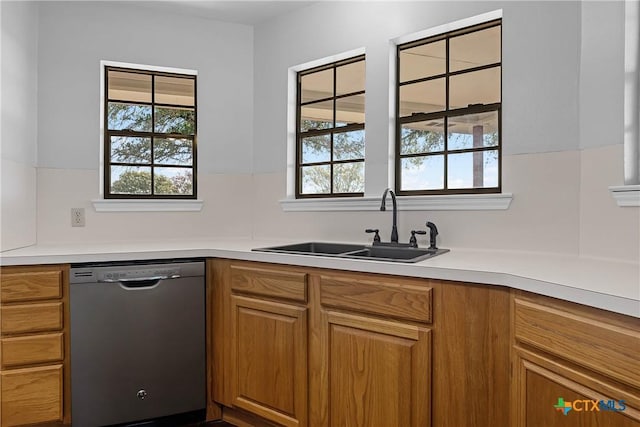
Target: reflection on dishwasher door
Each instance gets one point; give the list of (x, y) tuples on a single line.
[(137, 341)]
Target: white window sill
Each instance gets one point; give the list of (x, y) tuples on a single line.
[(626, 195), (453, 202), (121, 205)]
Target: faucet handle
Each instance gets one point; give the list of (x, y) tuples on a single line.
[(413, 242), (376, 237)]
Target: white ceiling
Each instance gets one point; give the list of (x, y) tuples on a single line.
[(238, 11)]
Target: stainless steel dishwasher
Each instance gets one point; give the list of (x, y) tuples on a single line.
[(137, 341)]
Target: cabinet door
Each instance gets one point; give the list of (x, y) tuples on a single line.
[(372, 373), (555, 395), (269, 359), (31, 395)]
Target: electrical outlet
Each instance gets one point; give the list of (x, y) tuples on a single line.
[(77, 217)]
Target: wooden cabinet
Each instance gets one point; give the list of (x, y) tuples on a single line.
[(309, 347), (573, 365), (34, 345), (372, 373), (263, 365), (370, 358)]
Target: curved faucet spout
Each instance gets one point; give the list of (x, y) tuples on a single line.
[(433, 232), (383, 207)]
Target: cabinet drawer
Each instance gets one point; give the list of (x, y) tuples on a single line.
[(32, 349), (31, 395), (21, 285), (275, 283), (43, 317), (389, 297), (607, 348)]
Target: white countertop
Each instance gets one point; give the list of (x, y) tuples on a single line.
[(602, 283)]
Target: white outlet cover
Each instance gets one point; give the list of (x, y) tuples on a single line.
[(77, 217)]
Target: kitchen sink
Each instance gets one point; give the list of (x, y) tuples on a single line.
[(354, 251), (314, 248), (396, 254)]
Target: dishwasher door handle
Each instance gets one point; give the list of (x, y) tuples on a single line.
[(140, 282)]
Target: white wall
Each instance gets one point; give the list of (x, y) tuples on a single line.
[(18, 135), (606, 230), (562, 120), (73, 38), (562, 66)]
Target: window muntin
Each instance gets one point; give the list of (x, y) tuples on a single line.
[(150, 134), (330, 137), (449, 113)]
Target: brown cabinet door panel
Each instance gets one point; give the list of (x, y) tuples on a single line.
[(551, 399), (269, 363), (396, 297), (31, 395), (27, 318), (32, 349), (269, 282), (18, 284), (609, 349), (378, 372)]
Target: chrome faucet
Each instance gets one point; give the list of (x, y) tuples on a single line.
[(383, 207)]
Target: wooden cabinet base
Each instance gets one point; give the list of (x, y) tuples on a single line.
[(35, 376), (314, 347)]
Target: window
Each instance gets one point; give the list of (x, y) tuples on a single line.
[(330, 141), (448, 109), (149, 134)]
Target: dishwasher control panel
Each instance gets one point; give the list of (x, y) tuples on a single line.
[(139, 274), (110, 273)]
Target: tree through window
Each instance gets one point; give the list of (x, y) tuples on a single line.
[(330, 132), (150, 134), (449, 112)]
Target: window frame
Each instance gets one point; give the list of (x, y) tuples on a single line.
[(107, 133), (446, 113), (329, 131)]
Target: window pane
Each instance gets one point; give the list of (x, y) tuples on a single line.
[(422, 97), (318, 85), (173, 151), (173, 181), (316, 116), (350, 110), (478, 87), (130, 180), (348, 178), (316, 149), (348, 145), (350, 78), (127, 86), (473, 130), (422, 137), (423, 61), (129, 117), (422, 173), (130, 149), (175, 90), (475, 49), (473, 170), (175, 120), (316, 179)]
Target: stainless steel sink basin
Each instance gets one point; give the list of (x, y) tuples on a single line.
[(354, 251), (314, 248), (396, 254)]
